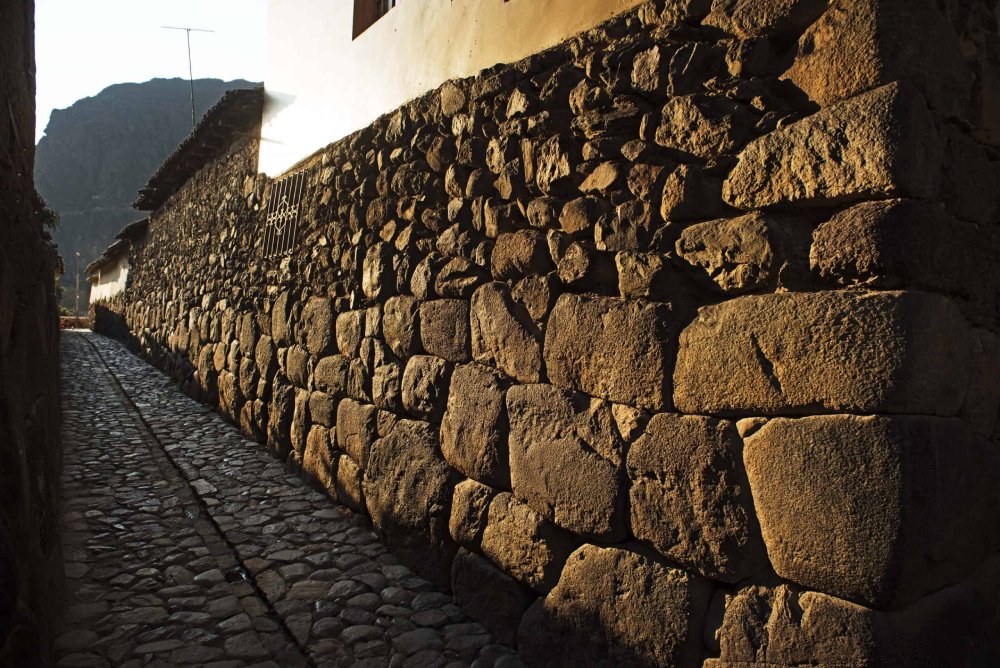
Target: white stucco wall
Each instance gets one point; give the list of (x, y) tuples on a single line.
[(110, 281), (321, 85)]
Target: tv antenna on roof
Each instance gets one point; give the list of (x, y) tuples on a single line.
[(190, 69)]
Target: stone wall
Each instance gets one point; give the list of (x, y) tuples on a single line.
[(30, 563), (675, 343)]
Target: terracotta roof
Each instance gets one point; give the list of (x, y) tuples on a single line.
[(237, 112)]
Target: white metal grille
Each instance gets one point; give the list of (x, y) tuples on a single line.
[(281, 219)]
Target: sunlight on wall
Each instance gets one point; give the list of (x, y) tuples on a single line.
[(321, 85)]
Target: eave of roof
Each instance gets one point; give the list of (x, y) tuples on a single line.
[(111, 254), (236, 113)]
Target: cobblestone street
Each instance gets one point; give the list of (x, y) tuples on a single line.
[(187, 544)]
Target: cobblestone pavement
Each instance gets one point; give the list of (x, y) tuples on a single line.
[(187, 544)]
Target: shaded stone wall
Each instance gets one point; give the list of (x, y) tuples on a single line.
[(678, 340), (30, 459)]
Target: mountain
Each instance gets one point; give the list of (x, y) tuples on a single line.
[(96, 154)]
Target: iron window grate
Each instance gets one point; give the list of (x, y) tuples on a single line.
[(281, 219)]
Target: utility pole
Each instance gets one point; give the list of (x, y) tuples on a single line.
[(77, 289), (190, 68)]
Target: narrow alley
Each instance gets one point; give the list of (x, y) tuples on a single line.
[(186, 544)]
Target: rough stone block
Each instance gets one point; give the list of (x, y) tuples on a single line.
[(298, 366), (330, 375), (474, 426), (878, 510), (356, 429), (689, 194), (444, 329), (350, 331), (378, 278), (690, 498), (704, 126), (617, 606), (319, 460), (408, 492), (628, 344), (525, 544), (504, 334), (280, 325), (518, 254), (349, 486), (322, 409), (387, 391), (401, 326), (788, 353), (783, 626), (470, 507), (738, 254), (903, 243), (425, 386), (318, 323), (301, 421), (501, 610), (778, 19), (566, 460), (877, 145), (858, 45)]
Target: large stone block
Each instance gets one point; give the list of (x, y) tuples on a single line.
[(470, 508), (504, 334), (903, 243), (319, 460), (350, 330), (566, 460), (474, 426), (878, 510), (318, 323), (330, 375), (425, 386), (617, 607), (349, 484), (612, 348), (408, 492), (357, 429), (501, 610), (525, 544), (743, 254), (322, 409), (401, 326), (783, 626), (858, 45), (690, 498), (704, 126), (798, 353), (298, 366), (444, 329), (778, 19), (877, 145)]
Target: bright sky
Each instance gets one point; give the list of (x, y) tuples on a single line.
[(83, 46)]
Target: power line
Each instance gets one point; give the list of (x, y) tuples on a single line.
[(190, 68)]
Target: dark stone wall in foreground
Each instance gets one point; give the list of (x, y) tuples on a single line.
[(30, 458), (678, 339)]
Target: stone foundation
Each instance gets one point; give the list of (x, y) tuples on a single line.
[(679, 338)]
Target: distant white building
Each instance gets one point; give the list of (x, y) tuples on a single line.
[(108, 274), (335, 66)]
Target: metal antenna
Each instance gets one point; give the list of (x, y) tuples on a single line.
[(190, 69)]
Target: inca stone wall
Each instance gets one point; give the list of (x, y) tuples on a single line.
[(30, 563), (675, 343)]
